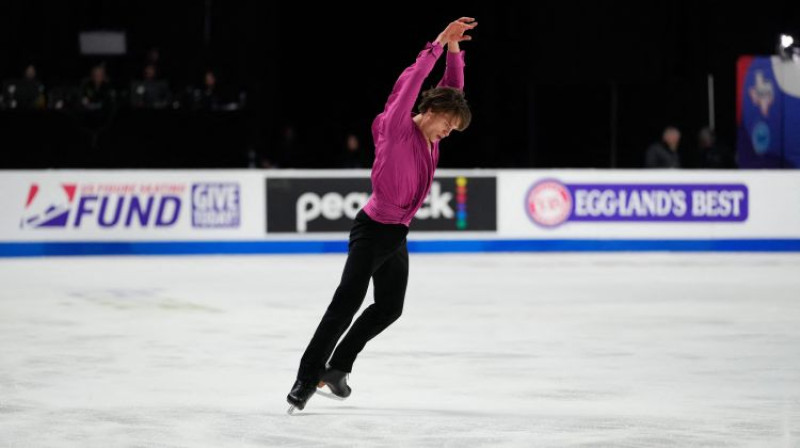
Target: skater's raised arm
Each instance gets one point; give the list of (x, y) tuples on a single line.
[(454, 70), (397, 113)]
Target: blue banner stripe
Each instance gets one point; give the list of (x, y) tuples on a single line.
[(33, 249)]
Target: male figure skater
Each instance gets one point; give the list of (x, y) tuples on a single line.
[(406, 155)]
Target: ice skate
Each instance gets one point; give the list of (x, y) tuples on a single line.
[(336, 382), (299, 395)]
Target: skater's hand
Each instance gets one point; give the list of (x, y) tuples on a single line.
[(454, 33)]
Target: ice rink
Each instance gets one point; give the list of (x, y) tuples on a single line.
[(544, 350)]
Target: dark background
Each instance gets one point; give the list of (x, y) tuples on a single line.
[(551, 84)]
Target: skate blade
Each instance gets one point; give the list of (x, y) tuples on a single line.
[(291, 410), (328, 394)]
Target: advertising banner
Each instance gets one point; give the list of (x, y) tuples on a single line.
[(306, 204)]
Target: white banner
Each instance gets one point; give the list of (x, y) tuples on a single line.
[(536, 205), (131, 205), (645, 204)]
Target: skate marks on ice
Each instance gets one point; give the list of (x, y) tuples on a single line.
[(369, 426), (386, 426), (546, 349), (138, 298)]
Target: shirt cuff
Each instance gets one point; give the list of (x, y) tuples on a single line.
[(455, 59), (435, 47)]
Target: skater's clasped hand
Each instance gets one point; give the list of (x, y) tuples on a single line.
[(454, 33)]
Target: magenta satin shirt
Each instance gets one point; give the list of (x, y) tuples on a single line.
[(403, 170)]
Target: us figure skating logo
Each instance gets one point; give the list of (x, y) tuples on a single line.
[(102, 205), (548, 203), (48, 205)]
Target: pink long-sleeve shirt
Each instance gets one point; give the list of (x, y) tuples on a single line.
[(403, 170)]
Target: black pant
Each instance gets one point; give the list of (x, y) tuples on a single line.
[(378, 251)]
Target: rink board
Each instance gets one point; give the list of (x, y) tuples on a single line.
[(66, 212)]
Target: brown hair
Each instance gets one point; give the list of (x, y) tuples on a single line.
[(447, 100)]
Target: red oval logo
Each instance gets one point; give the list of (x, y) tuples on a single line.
[(549, 203)]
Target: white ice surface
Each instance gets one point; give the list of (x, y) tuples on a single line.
[(552, 350)]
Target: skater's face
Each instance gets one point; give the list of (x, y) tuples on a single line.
[(438, 125)]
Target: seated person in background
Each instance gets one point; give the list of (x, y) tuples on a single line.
[(352, 156), (150, 92), (212, 97), (664, 153), (712, 154), (96, 91), (207, 97), (24, 93)]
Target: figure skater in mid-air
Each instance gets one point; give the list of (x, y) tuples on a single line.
[(406, 155)]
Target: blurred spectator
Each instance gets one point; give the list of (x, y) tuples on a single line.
[(712, 154), (96, 91), (288, 152), (213, 96), (153, 57), (24, 93), (664, 153), (150, 92), (207, 97), (352, 156)]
